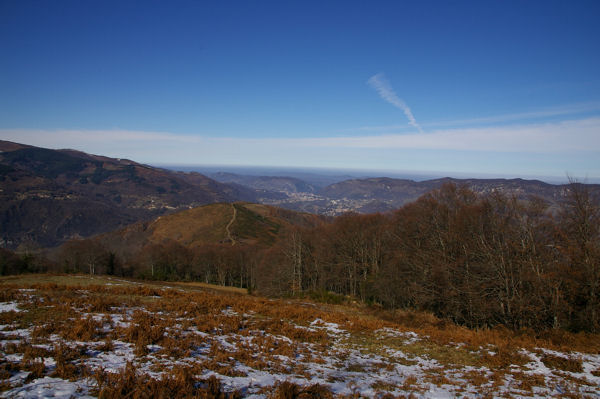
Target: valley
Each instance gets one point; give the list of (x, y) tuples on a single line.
[(381, 194), (51, 196)]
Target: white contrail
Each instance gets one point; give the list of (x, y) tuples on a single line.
[(383, 87)]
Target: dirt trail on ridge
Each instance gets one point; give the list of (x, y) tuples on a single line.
[(229, 236)]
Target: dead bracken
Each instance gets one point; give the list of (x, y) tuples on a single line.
[(113, 338)]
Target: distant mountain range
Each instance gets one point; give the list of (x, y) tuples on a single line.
[(50, 196), (281, 184), (384, 194)]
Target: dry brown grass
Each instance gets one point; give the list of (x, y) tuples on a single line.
[(274, 336), (562, 363), (444, 331), (7, 368), (84, 329), (527, 382), (383, 386), (8, 318), (35, 368), (410, 384), (290, 390), (31, 352), (295, 333), (212, 287), (107, 345), (69, 365), (201, 225), (503, 357), (477, 378), (178, 383), (144, 329), (353, 318)]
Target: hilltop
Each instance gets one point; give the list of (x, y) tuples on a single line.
[(242, 224), (217, 243)]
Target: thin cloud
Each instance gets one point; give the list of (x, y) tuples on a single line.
[(385, 91), (536, 148), (550, 137), (550, 112), (570, 109)]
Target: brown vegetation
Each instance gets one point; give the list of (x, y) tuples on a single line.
[(179, 383), (562, 363), (477, 261), (166, 328)]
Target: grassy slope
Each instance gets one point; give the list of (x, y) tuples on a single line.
[(202, 225), (254, 224)]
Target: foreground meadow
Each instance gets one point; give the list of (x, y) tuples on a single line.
[(80, 336)]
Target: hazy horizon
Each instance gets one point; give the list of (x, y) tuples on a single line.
[(251, 170)]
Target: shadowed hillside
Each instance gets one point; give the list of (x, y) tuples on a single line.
[(50, 196)]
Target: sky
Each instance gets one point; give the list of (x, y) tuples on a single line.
[(481, 88)]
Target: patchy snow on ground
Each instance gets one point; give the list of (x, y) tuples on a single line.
[(51, 388), (251, 353)]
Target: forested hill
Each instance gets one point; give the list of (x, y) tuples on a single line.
[(50, 196), (403, 191), (480, 260), (217, 243)]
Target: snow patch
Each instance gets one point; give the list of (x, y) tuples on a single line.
[(9, 307), (48, 387)]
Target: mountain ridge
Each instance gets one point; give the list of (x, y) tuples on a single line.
[(50, 196), (382, 194)]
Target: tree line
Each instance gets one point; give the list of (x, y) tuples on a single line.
[(479, 260)]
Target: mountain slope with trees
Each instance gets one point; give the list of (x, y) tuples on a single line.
[(50, 196), (216, 243)]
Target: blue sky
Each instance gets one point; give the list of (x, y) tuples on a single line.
[(485, 87)]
